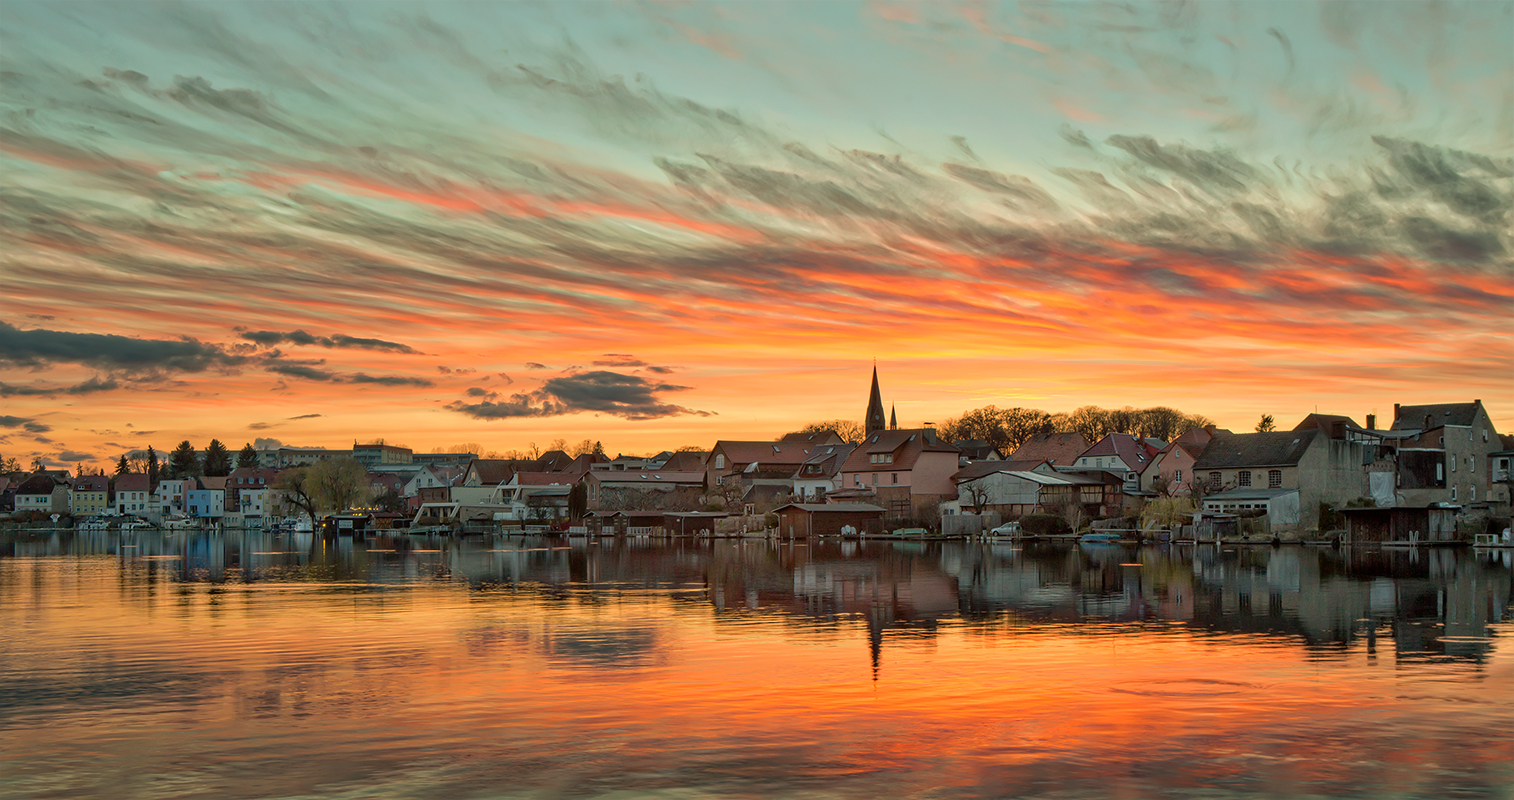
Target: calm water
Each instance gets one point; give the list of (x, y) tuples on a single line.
[(192, 666)]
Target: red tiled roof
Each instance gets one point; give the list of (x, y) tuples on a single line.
[(1058, 448), (767, 453), (132, 482), (906, 445)]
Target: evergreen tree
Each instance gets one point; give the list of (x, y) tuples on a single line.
[(599, 450), (183, 462), (248, 457), (121, 466), (1266, 424), (79, 469), (152, 466), (217, 460)]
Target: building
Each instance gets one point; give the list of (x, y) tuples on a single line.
[(251, 499), (134, 495), (1059, 449), (285, 457), (1171, 469), (89, 495), (820, 474), (1443, 454), (1320, 469), (170, 494), (1120, 453), (205, 499), (44, 493), (372, 455), (909, 471), (873, 420), (1015, 488), (805, 520), (658, 489)]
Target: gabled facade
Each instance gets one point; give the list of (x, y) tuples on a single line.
[(908, 470), (821, 474), (1121, 453), (43, 493), (133, 495), (90, 495), (1443, 455)]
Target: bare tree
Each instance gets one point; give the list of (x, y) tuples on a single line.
[(848, 430), (975, 493)]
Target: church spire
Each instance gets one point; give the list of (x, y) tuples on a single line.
[(893, 418), (874, 420)]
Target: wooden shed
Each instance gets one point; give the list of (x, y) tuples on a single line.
[(803, 520)]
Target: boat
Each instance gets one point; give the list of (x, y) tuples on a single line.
[(178, 522), (1100, 537)]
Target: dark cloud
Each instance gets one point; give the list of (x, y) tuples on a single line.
[(535, 365), (300, 337), (475, 391), (40, 347), (506, 378), (8, 421), (261, 443), (660, 370), (259, 426), (459, 371), (628, 396), (75, 456), (302, 371), (306, 416), (388, 380), (619, 360), (35, 427)]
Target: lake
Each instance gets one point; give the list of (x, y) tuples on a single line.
[(189, 665)]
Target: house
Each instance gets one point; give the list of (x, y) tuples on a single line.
[(1280, 505), (908, 470), (645, 489), (805, 520), (431, 476), (205, 499), (89, 495), (44, 493), (1171, 469), (285, 457), (820, 474), (978, 450), (1059, 449), (494, 471), (1120, 453), (536, 496), (169, 497), (1320, 469), (1501, 473), (1016, 488), (249, 496), (731, 461), (133, 495), (686, 461), (1443, 453)]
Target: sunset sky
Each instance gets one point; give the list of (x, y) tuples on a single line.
[(662, 224)]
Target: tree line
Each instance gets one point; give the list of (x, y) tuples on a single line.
[(1006, 429)]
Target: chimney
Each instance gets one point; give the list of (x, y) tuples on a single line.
[(1337, 429), (1371, 422), (1427, 422), (1396, 408)]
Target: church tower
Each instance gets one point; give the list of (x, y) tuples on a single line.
[(893, 418), (874, 420)]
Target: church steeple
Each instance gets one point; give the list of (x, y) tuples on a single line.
[(893, 418), (874, 420)]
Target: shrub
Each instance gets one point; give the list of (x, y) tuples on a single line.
[(1044, 524)]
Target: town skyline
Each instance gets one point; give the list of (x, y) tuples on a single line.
[(661, 227)]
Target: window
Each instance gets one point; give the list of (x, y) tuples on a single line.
[(1471, 464), (1244, 477), (875, 479), (720, 461), (1177, 476), (896, 479), (1453, 463), (1474, 494), (1453, 492), (1440, 472), (1214, 480), (1274, 479)]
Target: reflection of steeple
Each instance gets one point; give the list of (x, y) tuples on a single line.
[(893, 418), (875, 641), (874, 420)]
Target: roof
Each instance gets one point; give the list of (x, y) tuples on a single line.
[(1272, 449), (817, 439), (132, 482), (1135, 452), (214, 483), (493, 471), (834, 508), (92, 483), (686, 461), (1413, 417), (39, 484), (1324, 422), (774, 453), (827, 459), (1058, 448), (553, 461), (979, 469), (905, 444)]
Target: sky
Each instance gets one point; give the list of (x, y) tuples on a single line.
[(662, 224)]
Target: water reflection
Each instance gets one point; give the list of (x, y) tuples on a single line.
[(252, 664)]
